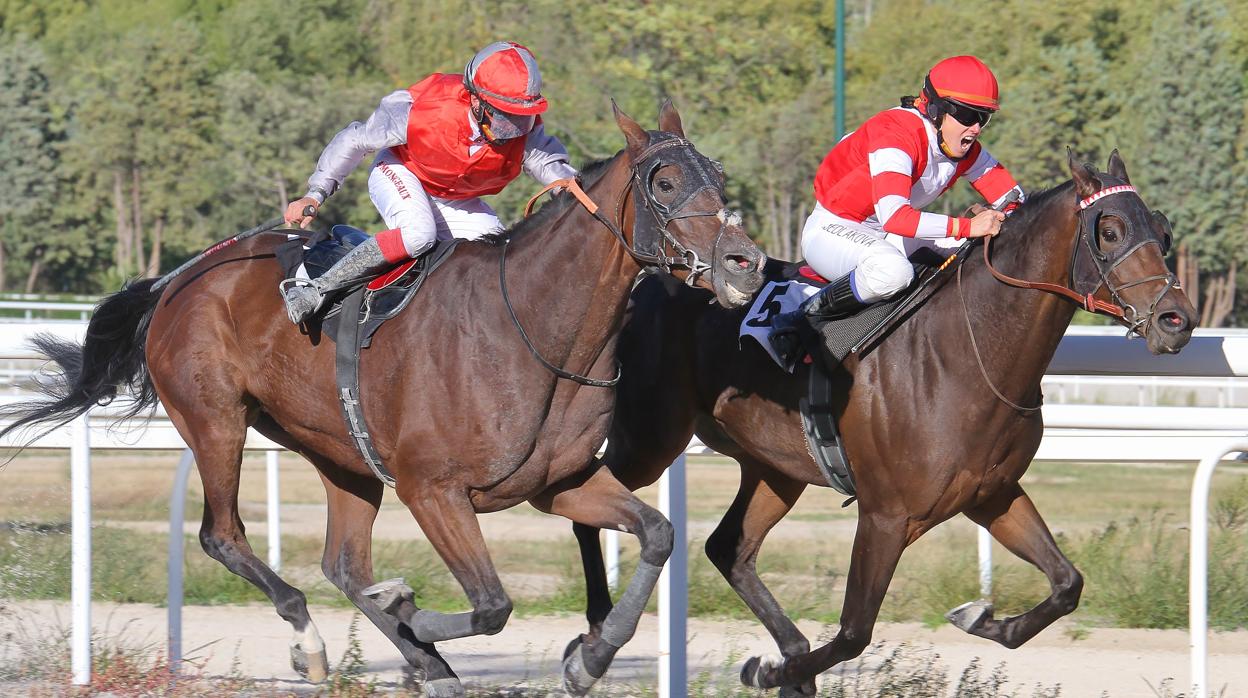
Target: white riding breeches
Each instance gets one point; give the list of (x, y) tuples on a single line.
[(835, 246), (422, 219)]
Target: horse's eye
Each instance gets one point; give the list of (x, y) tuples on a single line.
[(1109, 235), (665, 186)]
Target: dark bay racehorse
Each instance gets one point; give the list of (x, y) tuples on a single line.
[(924, 431), (465, 418)]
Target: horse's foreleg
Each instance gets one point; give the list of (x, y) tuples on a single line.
[(450, 523), (733, 549), (597, 499), (1012, 519), (348, 563), (877, 548)]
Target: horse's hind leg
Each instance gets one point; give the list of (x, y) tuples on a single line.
[(877, 548), (764, 498), (216, 437), (1012, 519), (348, 563), (595, 498)]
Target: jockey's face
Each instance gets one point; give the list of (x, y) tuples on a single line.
[(959, 137)]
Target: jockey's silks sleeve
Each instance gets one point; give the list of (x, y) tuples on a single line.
[(386, 127), (545, 158)]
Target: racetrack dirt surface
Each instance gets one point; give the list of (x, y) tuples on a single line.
[(252, 641)]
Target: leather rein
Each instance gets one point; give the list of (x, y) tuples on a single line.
[(1136, 322), (684, 258)]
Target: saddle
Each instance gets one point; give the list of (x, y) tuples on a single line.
[(352, 315), (382, 297)]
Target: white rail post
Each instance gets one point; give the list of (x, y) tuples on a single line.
[(80, 488), (275, 511), (177, 544), (674, 586), (985, 563), (612, 558), (1198, 589)]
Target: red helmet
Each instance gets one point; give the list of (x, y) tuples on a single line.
[(965, 80), (505, 75)]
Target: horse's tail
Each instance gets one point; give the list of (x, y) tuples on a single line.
[(111, 359)]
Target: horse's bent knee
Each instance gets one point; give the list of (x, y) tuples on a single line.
[(1068, 593), (656, 536), (490, 618), (853, 642)]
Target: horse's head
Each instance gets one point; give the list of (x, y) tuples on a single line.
[(680, 221), (1120, 257)]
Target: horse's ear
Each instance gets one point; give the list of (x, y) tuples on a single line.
[(669, 119), (1117, 167), (636, 136), (1086, 181)]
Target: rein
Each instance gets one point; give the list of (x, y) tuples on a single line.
[(684, 258)]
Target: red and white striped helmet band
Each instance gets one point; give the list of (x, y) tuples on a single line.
[(1085, 203)]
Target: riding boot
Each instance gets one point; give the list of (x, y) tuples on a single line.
[(360, 264), (836, 300)]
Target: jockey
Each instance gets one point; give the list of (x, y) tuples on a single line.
[(871, 187), (442, 144)]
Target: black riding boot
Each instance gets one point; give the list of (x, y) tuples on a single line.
[(360, 264), (836, 300)]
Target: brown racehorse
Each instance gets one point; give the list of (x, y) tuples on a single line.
[(463, 415), (924, 432)]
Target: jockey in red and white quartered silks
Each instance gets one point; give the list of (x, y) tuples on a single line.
[(870, 188), (441, 145)]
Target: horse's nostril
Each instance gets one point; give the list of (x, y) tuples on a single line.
[(1172, 321), (738, 262)]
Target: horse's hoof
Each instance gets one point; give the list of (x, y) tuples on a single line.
[(759, 672), (444, 688), (575, 643), (388, 595), (970, 615), (312, 666), (576, 678)]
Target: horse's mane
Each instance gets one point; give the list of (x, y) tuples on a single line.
[(1034, 207), (552, 208)]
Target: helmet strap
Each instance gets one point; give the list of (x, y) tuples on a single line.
[(481, 114)]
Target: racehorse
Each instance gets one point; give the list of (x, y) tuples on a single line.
[(940, 418), (465, 417)]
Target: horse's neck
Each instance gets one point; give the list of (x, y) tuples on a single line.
[(1023, 325), (577, 274)]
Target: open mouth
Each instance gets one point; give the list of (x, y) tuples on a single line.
[(967, 141)]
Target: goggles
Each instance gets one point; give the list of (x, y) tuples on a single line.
[(967, 115), (498, 126)]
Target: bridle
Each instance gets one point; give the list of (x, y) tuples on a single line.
[(1102, 266), (652, 240)]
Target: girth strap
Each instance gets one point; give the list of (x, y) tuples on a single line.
[(347, 370)]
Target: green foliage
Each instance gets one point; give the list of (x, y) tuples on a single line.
[(136, 132)]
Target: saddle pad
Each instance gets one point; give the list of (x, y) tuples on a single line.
[(787, 292)]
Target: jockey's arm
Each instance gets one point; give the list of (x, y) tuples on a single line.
[(545, 158), (993, 181), (386, 127)]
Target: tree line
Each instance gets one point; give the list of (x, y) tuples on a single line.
[(133, 133)]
